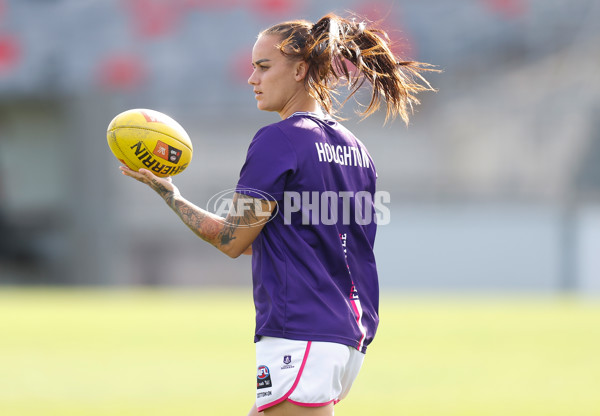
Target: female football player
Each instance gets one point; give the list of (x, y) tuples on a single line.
[(304, 208)]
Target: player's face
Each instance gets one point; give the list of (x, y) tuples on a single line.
[(277, 86)]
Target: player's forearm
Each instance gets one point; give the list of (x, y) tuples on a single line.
[(206, 225), (209, 227)]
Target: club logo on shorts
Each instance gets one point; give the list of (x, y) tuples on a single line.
[(287, 360), (263, 377)]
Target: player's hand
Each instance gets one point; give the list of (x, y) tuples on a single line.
[(163, 186)]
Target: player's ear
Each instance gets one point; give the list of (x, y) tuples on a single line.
[(301, 70)]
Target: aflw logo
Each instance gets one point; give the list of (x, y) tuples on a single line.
[(167, 152)]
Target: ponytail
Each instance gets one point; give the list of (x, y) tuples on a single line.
[(332, 43)]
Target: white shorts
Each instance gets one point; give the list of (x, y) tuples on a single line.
[(305, 373)]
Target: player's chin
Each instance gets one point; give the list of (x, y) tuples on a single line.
[(263, 106)]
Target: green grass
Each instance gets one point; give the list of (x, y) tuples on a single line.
[(133, 352)]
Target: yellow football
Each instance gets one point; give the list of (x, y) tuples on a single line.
[(142, 138)]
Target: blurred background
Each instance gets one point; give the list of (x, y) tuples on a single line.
[(495, 184)]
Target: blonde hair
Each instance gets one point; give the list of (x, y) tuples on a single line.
[(333, 42)]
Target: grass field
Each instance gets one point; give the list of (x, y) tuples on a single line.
[(132, 352)]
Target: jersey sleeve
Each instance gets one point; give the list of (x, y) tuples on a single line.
[(269, 162)]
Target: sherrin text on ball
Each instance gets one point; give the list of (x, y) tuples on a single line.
[(148, 139)]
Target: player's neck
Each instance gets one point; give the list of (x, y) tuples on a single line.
[(307, 104)]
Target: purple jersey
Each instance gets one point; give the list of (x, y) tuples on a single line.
[(313, 266)]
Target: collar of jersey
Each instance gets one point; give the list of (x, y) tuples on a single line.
[(308, 113)]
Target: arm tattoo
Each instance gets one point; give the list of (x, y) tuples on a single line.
[(245, 212), (197, 220), (226, 235), (162, 190)]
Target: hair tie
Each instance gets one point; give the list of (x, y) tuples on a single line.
[(319, 49)]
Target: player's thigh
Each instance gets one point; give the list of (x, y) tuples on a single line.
[(286, 408)]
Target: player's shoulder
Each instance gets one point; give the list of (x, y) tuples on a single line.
[(274, 137), (273, 128), (287, 128)]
